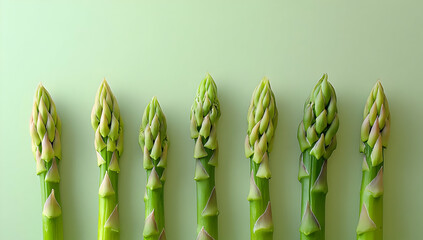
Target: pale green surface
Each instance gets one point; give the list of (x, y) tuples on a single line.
[(165, 48)]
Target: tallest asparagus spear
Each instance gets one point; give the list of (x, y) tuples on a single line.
[(374, 136), (107, 123), (205, 113), (316, 136), (262, 120), (45, 133)]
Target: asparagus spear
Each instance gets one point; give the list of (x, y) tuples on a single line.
[(205, 113), (262, 120), (45, 134), (316, 136), (374, 138), (154, 144), (107, 123)]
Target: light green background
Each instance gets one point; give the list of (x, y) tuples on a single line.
[(164, 48)]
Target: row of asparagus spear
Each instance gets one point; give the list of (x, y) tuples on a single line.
[(316, 137)]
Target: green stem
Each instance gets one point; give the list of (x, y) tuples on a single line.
[(316, 199), (258, 207), (107, 204), (52, 227), (155, 201), (305, 186), (374, 205), (204, 190)]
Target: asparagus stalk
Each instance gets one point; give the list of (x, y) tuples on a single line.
[(316, 136), (374, 139), (108, 127), (45, 130), (205, 113), (154, 144), (262, 121)]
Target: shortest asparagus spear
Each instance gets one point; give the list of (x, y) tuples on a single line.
[(375, 131), (262, 120), (45, 134), (153, 142)]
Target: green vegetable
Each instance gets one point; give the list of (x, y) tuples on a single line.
[(374, 139), (205, 113), (154, 144), (45, 134), (107, 123), (316, 136), (262, 120)]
